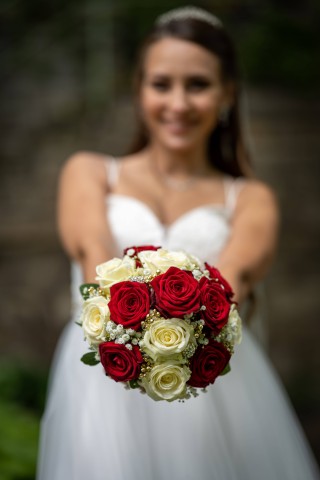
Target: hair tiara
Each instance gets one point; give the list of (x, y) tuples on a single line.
[(186, 13)]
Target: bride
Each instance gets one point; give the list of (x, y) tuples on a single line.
[(186, 184)]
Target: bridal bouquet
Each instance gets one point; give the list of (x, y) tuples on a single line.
[(160, 321)]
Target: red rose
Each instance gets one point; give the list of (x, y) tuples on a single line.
[(208, 363), (216, 275), (140, 249), (129, 304), (176, 293), (136, 250), (217, 306), (119, 362)]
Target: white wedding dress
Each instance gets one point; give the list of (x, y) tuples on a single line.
[(243, 428)]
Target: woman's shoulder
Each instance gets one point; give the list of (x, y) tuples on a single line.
[(256, 190), (257, 198), (84, 165), (94, 165)]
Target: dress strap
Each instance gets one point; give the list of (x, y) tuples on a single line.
[(113, 171), (232, 188)]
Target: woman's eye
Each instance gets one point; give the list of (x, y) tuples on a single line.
[(198, 84), (160, 86)]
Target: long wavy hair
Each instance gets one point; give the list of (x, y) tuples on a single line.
[(226, 148)]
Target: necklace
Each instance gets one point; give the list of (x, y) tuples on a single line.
[(179, 185)]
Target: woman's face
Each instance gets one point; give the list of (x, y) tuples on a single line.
[(181, 94)]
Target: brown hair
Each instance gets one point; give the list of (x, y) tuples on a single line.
[(226, 148)]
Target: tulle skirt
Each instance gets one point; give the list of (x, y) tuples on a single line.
[(242, 428)]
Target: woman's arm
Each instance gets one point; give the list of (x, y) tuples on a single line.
[(250, 250), (81, 212)]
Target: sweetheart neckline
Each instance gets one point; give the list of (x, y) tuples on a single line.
[(168, 226)]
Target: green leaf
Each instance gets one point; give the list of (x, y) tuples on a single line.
[(90, 358), (84, 289), (133, 384), (226, 370)]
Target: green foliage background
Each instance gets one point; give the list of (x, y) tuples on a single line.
[(22, 393)]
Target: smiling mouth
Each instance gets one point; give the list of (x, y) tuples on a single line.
[(177, 127)]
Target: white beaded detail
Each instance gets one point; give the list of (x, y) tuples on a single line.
[(186, 13)]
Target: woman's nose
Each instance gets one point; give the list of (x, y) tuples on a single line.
[(179, 101)]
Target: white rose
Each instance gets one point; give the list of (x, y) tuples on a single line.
[(115, 270), (166, 381), (234, 327), (95, 315), (167, 337), (163, 259)]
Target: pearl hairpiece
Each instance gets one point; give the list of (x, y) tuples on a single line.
[(186, 13)]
